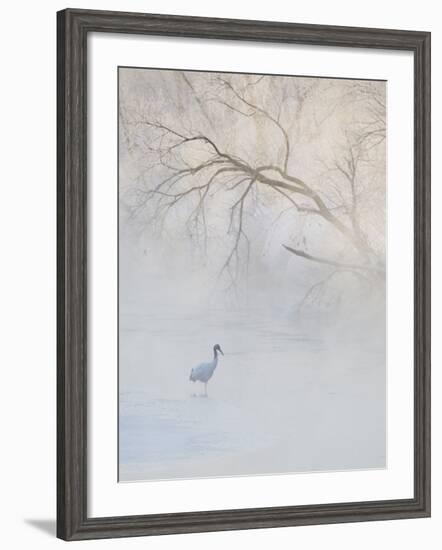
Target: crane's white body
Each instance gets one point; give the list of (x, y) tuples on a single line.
[(204, 372)]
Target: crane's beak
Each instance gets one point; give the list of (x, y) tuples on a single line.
[(221, 351)]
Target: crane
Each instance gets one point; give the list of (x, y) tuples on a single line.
[(204, 372)]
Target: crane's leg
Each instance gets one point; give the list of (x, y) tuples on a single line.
[(205, 389)]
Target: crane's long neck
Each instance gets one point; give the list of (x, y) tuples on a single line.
[(215, 358)]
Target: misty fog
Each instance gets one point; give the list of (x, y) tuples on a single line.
[(252, 215)]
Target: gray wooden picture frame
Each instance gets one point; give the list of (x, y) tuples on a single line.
[(73, 27)]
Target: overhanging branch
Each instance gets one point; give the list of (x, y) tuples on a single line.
[(334, 263)]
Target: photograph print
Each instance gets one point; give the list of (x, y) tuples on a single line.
[(252, 274)]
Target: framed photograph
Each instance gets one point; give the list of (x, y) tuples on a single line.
[(243, 274)]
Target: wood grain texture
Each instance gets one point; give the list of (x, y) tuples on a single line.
[(72, 28)]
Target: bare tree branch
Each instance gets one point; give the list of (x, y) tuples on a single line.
[(196, 164), (267, 115), (317, 259)]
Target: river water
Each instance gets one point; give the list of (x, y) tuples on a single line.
[(288, 396)]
